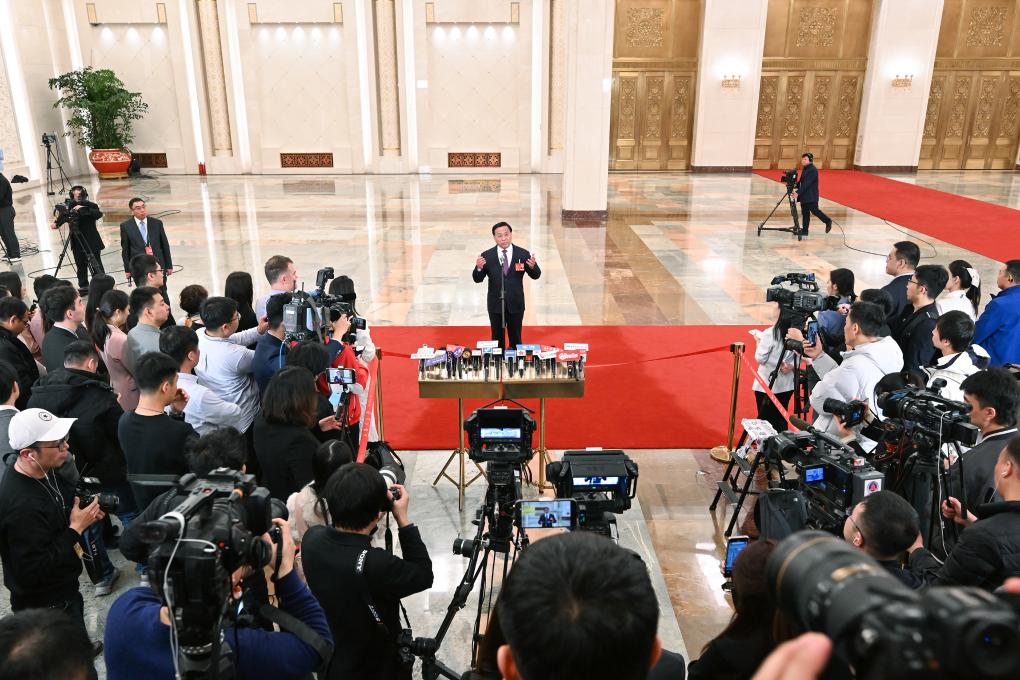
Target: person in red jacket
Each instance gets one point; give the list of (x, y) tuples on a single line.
[(343, 356)]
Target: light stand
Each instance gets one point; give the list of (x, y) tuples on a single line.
[(49, 140), (795, 229)]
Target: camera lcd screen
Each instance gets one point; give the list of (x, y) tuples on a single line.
[(596, 481), (813, 475), (500, 433), (340, 376), (547, 514)]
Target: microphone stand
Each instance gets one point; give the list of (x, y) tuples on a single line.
[(503, 263)]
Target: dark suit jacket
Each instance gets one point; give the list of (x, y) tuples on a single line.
[(897, 288), (979, 469), (514, 279), (913, 335), (807, 185), (12, 349), (54, 342), (132, 243)]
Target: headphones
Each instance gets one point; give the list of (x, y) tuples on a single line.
[(810, 156), (84, 193)]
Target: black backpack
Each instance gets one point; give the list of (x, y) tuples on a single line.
[(779, 513)]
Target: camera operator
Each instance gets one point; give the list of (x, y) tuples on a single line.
[(998, 327), (988, 551), (884, 525), (43, 644), (271, 350), (138, 630), (41, 521), (958, 358), (867, 360), (81, 214), (900, 264), (807, 194), (914, 328), (282, 277), (769, 348), (359, 586), (342, 355)]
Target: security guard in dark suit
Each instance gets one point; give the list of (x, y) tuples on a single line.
[(807, 194), (505, 265)]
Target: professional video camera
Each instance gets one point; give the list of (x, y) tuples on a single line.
[(310, 315), (804, 300), (832, 477), (215, 531), (881, 628), (602, 483), (790, 180), (927, 418)]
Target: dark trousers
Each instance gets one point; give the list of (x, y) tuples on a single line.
[(10, 239), (81, 262), (767, 410), (806, 210), (514, 320)]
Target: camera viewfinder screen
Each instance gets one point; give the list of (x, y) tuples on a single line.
[(501, 433), (546, 514), (596, 482), (813, 475), (341, 376)]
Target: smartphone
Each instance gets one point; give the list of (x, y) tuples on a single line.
[(734, 546), (559, 513), (340, 376), (812, 332)]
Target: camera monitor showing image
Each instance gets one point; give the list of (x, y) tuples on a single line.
[(547, 514)]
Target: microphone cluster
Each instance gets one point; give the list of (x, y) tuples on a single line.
[(488, 362)]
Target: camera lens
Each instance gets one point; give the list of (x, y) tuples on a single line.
[(464, 547)]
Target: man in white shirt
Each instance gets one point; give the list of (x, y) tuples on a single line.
[(282, 277), (225, 364), (151, 310), (206, 411)]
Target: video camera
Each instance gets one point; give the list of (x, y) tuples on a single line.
[(832, 477), (881, 628), (790, 180), (215, 531), (802, 301), (927, 418), (602, 483), (310, 316), (500, 435)]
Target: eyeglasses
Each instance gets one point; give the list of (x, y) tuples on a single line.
[(857, 526), (59, 444)]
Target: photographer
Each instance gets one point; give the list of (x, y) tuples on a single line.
[(913, 330), (353, 580), (958, 358), (868, 358), (138, 630), (988, 551), (884, 525), (767, 353), (81, 214), (342, 356), (41, 521)]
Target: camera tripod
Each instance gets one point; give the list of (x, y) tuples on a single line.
[(494, 537), (924, 483), (49, 141), (795, 229), (90, 257)]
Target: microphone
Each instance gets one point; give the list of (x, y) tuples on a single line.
[(800, 423), (827, 438)]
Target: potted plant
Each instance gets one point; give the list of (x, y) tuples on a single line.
[(102, 114)]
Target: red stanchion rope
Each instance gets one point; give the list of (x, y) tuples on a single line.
[(765, 387), (366, 424)]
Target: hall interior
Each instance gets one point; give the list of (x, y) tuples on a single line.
[(619, 138)]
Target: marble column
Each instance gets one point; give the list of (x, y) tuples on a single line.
[(10, 141), (732, 44), (588, 76), (386, 84), (215, 81), (557, 81), (904, 35)]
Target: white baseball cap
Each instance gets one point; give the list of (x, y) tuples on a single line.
[(37, 425)]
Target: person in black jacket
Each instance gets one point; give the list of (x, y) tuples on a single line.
[(989, 548), (7, 214), (284, 444), (884, 525), (505, 265), (13, 322), (359, 586), (144, 235), (64, 308), (900, 264), (81, 214), (913, 331), (807, 194)]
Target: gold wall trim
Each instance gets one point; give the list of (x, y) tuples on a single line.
[(655, 64), (782, 64), (990, 64)]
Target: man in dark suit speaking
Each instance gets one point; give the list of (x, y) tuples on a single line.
[(505, 265), (807, 194), (144, 235)]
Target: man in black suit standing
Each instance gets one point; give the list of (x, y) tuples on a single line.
[(505, 265), (900, 263), (807, 194), (144, 235)]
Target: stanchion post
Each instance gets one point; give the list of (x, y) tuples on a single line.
[(378, 394), (724, 453)]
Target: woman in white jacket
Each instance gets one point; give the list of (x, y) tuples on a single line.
[(963, 290), (958, 358), (768, 353)]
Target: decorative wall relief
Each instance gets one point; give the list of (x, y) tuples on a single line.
[(644, 27), (819, 106), (473, 160), (791, 114), (306, 160), (679, 119), (1011, 110), (386, 73), (987, 27), (653, 107), (958, 112), (215, 80), (557, 74), (986, 104), (767, 106), (817, 27), (931, 116), (848, 109), (628, 97)]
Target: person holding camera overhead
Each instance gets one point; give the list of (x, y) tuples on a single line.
[(81, 214), (359, 586), (41, 519)]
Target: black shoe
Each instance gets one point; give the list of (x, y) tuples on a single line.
[(828, 226)]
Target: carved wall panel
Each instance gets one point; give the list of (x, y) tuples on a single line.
[(767, 106), (818, 29), (654, 64), (215, 80), (817, 26), (986, 27), (557, 74), (979, 29)]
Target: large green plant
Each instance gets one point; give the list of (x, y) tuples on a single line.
[(102, 109)]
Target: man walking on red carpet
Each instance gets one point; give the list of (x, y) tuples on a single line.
[(505, 265), (807, 194)]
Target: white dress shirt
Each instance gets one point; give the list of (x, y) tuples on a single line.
[(956, 301), (225, 367), (206, 411), (260, 304)]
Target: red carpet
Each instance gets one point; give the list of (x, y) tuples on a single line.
[(984, 228), (676, 403)]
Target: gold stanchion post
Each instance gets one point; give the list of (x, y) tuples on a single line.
[(459, 455), (724, 453)]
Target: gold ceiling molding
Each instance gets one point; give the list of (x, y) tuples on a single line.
[(987, 26), (632, 64), (784, 64), (988, 64)]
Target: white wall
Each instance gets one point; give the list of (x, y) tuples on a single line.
[(732, 43), (904, 37)]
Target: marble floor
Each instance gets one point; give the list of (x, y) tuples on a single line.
[(677, 249)]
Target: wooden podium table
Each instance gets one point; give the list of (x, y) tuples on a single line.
[(553, 388)]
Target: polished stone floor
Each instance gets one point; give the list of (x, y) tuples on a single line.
[(677, 249)]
